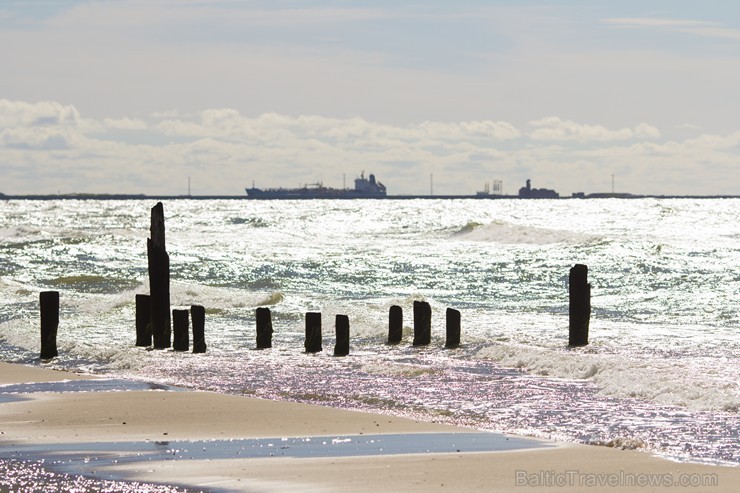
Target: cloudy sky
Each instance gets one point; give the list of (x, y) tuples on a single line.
[(135, 96)]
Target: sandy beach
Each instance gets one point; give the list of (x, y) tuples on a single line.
[(79, 419)]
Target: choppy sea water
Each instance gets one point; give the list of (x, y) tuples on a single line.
[(660, 374)]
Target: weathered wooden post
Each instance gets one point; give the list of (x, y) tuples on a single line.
[(341, 348), (159, 280), (143, 320), (395, 324), (313, 332), (453, 328), (181, 329), (422, 323), (198, 317), (264, 328), (49, 306), (579, 306)]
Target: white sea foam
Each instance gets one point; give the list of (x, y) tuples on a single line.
[(221, 298), (395, 369), (509, 233), (21, 333), (683, 382)]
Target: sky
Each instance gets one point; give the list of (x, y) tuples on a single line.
[(134, 96)]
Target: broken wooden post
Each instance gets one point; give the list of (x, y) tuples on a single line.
[(143, 320), (453, 329), (159, 280), (198, 317), (313, 332), (422, 323), (180, 329), (49, 306), (395, 324), (264, 328), (341, 348), (579, 306)]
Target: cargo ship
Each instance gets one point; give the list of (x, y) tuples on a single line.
[(365, 188)]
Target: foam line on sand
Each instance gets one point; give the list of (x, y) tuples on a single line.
[(75, 420)]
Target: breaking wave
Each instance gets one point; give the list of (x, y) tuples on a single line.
[(681, 382), (508, 233), (92, 284)]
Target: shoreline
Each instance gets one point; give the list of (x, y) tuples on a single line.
[(70, 419)]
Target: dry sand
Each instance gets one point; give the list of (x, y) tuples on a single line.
[(85, 417)]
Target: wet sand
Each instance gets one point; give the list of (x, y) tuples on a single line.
[(61, 419)]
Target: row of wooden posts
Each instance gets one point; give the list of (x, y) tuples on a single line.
[(313, 341), (156, 324), (179, 338)]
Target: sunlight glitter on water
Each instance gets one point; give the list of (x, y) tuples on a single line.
[(35, 477), (664, 338)]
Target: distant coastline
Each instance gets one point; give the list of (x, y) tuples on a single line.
[(103, 196)]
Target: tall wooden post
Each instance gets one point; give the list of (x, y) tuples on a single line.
[(143, 320), (313, 332), (341, 348), (49, 306), (264, 327), (198, 318), (181, 330), (159, 280), (453, 328), (395, 324), (579, 305), (422, 323)]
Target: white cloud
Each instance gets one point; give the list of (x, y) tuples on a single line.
[(39, 138), (224, 150), (556, 129), (43, 113), (176, 127), (645, 131), (124, 123), (43, 125), (471, 130), (228, 123)]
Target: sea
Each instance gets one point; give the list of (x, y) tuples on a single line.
[(660, 373)]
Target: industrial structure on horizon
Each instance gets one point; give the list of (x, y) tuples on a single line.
[(527, 192)]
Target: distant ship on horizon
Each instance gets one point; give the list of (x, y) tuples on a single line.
[(365, 188)]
